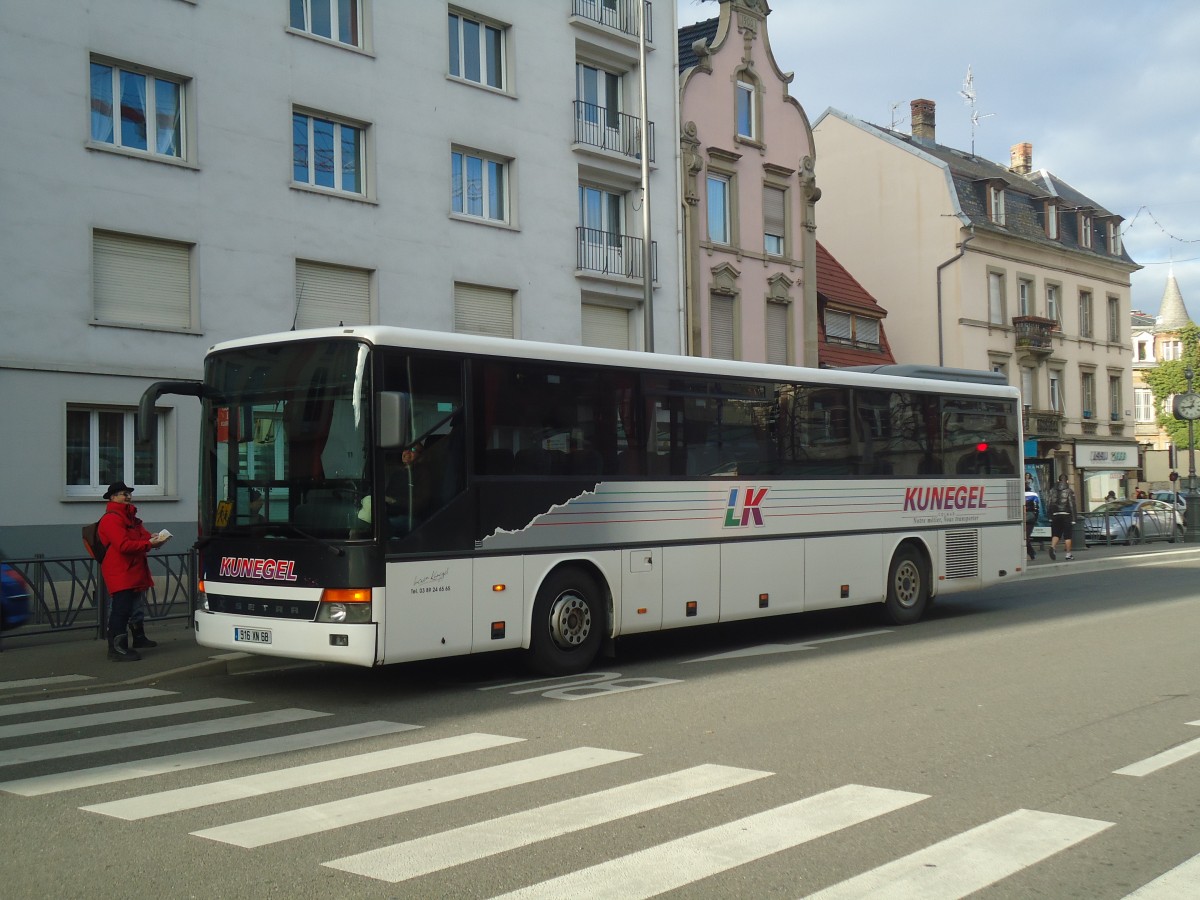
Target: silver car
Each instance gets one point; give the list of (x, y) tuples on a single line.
[(1133, 522)]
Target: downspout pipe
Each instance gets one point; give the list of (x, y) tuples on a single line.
[(962, 249)]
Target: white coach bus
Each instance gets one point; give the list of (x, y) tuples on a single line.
[(373, 495)]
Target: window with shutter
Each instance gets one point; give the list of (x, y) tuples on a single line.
[(866, 330), (774, 220), (605, 326), (838, 325), (331, 295), (483, 310), (720, 322), (777, 334), (142, 282)]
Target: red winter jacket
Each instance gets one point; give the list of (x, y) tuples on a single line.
[(128, 542)]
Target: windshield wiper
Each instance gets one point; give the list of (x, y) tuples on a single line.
[(333, 548)]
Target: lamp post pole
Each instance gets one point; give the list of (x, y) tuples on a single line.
[(1191, 513)]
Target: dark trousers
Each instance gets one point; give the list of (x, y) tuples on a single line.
[(120, 608)]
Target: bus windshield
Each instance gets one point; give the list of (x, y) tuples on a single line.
[(287, 442)]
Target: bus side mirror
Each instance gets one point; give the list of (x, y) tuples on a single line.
[(394, 414)]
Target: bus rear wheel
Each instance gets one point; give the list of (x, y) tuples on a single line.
[(567, 623), (907, 587)]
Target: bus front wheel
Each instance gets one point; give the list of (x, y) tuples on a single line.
[(567, 623), (907, 587)]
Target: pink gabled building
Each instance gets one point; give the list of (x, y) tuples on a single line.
[(749, 194)]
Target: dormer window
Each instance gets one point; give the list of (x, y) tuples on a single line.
[(1113, 232), (996, 203), (1085, 230), (1051, 219)]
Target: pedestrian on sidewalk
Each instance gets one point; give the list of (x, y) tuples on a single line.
[(126, 571), (1061, 505)]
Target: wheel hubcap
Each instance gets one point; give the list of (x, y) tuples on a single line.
[(570, 621), (908, 584)]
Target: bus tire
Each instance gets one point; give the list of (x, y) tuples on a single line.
[(907, 587), (568, 621)]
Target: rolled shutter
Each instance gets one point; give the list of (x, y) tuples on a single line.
[(483, 310), (328, 296), (837, 325), (605, 326), (774, 211), (777, 334), (720, 321), (141, 281)]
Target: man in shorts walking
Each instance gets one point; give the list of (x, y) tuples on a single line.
[(1060, 503)]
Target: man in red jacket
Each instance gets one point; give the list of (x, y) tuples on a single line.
[(126, 572)]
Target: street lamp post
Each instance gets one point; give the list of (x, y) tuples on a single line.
[(1187, 408)]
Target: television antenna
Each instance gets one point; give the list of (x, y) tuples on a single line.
[(897, 121), (969, 97)]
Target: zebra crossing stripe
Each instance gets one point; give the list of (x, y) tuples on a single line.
[(367, 807), (296, 776), (970, 861), (23, 729), (194, 759), (1181, 881), (40, 706), (127, 739), (1162, 760), (410, 859), (684, 860), (42, 682)]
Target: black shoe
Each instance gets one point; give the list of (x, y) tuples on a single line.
[(119, 650), (139, 637), (1052, 556)]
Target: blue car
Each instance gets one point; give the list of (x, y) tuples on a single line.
[(15, 598)]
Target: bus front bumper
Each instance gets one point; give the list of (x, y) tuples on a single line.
[(319, 641)]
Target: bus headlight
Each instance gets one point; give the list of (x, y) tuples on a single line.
[(345, 606)]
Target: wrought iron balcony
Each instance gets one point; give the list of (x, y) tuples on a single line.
[(609, 253), (608, 129), (619, 14), (1033, 333), (1046, 424)]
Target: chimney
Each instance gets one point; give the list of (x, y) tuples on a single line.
[(1021, 156), (922, 121)]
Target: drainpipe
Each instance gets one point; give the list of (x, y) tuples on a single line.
[(962, 249)]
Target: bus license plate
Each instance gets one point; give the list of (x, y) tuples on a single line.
[(252, 635)]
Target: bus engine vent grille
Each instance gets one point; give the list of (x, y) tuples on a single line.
[(962, 554), (1016, 501)]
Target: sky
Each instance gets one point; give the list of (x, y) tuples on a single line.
[(1107, 91)]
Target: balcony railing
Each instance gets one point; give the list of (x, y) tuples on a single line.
[(607, 129), (610, 253), (1033, 333), (619, 14), (1043, 423)]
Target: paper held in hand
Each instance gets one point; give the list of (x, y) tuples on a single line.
[(163, 535)]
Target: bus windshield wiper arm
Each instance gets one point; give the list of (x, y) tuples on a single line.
[(333, 548)]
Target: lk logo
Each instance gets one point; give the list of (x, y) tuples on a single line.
[(749, 506)]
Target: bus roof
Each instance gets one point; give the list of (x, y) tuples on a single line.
[(912, 377)]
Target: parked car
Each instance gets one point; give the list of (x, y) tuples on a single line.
[(1133, 522), (1175, 497), (15, 598)]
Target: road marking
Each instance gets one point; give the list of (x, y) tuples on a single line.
[(767, 649), (1162, 760), (970, 861), (271, 782), (1181, 881), (23, 729), (40, 682), (37, 706), (410, 859), (194, 759), (352, 810), (685, 860), (161, 735)]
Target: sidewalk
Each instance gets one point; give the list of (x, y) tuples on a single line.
[(29, 666)]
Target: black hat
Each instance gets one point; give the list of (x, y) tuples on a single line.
[(116, 487)]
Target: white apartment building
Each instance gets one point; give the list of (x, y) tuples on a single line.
[(180, 172)]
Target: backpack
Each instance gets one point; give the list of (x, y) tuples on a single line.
[(95, 547), (1031, 508)]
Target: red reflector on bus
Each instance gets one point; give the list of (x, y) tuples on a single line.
[(690, 608), (763, 601), (497, 630), (641, 610), (845, 591)]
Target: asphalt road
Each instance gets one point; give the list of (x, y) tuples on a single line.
[(1012, 743)]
